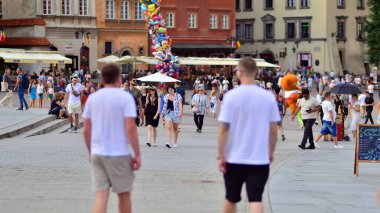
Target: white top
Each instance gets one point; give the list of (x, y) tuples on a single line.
[(305, 105), (371, 88), (72, 98), (51, 91), (319, 98), (332, 74), (249, 110), (361, 98), (40, 89), (358, 80), (326, 107), (107, 110)]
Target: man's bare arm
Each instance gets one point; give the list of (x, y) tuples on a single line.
[(272, 140), (222, 138), (131, 129), (87, 134)]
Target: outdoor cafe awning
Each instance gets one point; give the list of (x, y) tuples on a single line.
[(30, 57), (198, 61)]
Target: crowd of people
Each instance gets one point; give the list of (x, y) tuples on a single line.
[(250, 98)]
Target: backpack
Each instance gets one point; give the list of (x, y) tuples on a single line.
[(24, 81)]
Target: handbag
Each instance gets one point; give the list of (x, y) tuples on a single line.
[(4, 86), (194, 108)]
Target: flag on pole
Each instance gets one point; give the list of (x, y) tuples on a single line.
[(237, 45)]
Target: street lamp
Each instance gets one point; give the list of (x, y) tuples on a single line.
[(82, 31)]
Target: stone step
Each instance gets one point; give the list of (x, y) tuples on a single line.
[(65, 128), (48, 127), (25, 126)]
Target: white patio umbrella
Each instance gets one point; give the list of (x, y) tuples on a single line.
[(158, 77), (109, 59)]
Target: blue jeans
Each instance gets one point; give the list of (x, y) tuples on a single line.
[(21, 92)]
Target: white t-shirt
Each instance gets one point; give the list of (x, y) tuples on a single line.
[(305, 105), (361, 98), (72, 98), (249, 110), (326, 107), (370, 88), (358, 81), (107, 109), (40, 89)]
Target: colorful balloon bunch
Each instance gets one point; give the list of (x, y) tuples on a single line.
[(161, 41)]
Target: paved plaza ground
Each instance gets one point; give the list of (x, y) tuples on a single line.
[(50, 173)]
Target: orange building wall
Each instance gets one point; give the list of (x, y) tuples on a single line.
[(204, 8), (126, 35)]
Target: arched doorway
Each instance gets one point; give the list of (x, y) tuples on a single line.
[(126, 68), (84, 58), (53, 48), (268, 56)]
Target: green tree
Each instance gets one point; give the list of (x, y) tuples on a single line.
[(372, 29)]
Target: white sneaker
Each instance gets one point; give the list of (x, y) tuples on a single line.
[(71, 129), (175, 146), (316, 144), (338, 146)]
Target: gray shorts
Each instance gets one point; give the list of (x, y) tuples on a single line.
[(171, 117), (112, 172)]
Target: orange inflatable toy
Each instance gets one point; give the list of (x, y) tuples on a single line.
[(292, 92)]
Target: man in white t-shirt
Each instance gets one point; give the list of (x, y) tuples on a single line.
[(361, 99), (74, 92), (109, 128), (308, 107), (371, 88), (332, 74), (247, 138), (329, 124)]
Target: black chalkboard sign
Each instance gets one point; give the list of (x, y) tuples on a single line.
[(367, 145)]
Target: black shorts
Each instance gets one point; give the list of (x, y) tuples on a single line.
[(254, 177)]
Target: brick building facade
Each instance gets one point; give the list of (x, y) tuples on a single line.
[(201, 28)]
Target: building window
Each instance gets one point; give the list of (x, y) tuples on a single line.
[(108, 48), (124, 10), (238, 32), (138, 11), (170, 20), (269, 4), (291, 4), (110, 9), (237, 5), (248, 32), (305, 29), (360, 5), (225, 22), (83, 7), (359, 31), (66, 7), (269, 32), (47, 7), (213, 21), (341, 4), (248, 5), (305, 3), (341, 30), (291, 30), (192, 20)]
